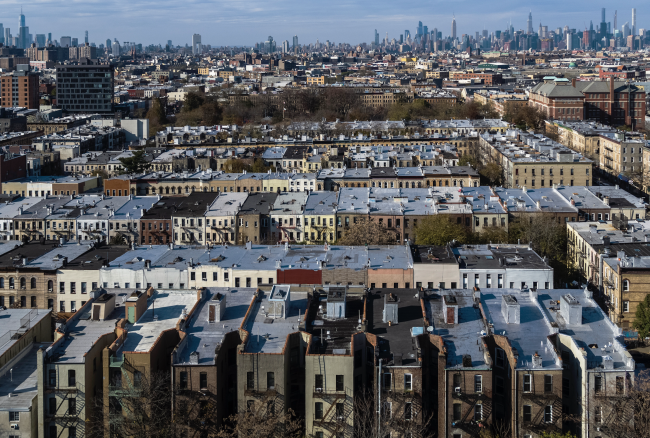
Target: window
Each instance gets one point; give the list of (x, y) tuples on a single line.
[(250, 380), (339, 382), (620, 386), (52, 378), (387, 381), (72, 406), (318, 382), (318, 410), (340, 411), (598, 414), (527, 382), (598, 384), (203, 380), (457, 411), (626, 306), (408, 410), (501, 357), (72, 381), (566, 387), (548, 414), (183, 380), (626, 285), (14, 416), (478, 412), (478, 383), (408, 382), (548, 383), (270, 380), (528, 413)]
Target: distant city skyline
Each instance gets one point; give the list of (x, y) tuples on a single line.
[(246, 23)]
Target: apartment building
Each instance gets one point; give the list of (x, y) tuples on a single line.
[(254, 218), (622, 154), (580, 136), (625, 284), (319, 217), (85, 88), (156, 223), (287, 220), (221, 217), (530, 160), (271, 356), (189, 220), (204, 361), (19, 89), (124, 222)]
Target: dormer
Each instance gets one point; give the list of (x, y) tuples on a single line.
[(510, 309), (450, 309), (391, 304)]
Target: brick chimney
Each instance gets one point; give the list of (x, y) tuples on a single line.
[(573, 82)]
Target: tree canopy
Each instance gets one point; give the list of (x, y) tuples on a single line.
[(642, 321), (439, 230), (368, 232), (136, 163)]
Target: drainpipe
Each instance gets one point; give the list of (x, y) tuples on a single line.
[(379, 401)]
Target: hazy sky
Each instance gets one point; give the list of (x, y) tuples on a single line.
[(244, 22)]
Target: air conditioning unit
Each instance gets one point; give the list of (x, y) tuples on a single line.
[(340, 417), (319, 389), (14, 426), (457, 390)]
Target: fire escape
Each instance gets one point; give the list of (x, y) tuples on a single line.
[(468, 422), (335, 419), (62, 416), (539, 423)]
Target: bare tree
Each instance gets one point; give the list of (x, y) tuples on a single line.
[(263, 419), (398, 418), (368, 232)]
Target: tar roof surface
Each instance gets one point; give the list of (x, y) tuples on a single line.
[(259, 325), (54, 258), (164, 310), (258, 203), (203, 336), (396, 339), (227, 204), (487, 257), (95, 258), (164, 208), (132, 209), (23, 384), (432, 254), (334, 334), (530, 335), (31, 251)]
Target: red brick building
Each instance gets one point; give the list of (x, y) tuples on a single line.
[(12, 168), (19, 89)]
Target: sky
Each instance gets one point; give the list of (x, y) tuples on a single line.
[(245, 22)]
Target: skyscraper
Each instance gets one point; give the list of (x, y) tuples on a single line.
[(420, 30), (66, 41), (633, 30), (529, 27), (295, 43), (23, 33), (7, 36), (2, 34), (615, 20), (196, 44), (86, 37), (376, 37), (49, 38), (40, 40), (453, 28)]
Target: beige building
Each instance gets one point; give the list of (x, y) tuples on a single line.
[(622, 154), (534, 161)]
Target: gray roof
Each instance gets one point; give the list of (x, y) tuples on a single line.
[(321, 203), (21, 382), (15, 322), (203, 336)]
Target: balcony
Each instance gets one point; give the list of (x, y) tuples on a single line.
[(328, 393), (260, 392)]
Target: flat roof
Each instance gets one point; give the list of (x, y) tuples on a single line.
[(397, 337), (21, 382), (204, 336), (334, 336), (16, 322), (530, 336), (268, 334), (164, 309)]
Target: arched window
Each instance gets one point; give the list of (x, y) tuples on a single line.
[(32, 283), (23, 283), (2, 283), (11, 283), (626, 285), (50, 283), (167, 190)]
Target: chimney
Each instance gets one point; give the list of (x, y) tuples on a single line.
[(194, 358), (467, 361), (606, 240), (573, 82), (450, 309), (608, 362), (217, 308), (391, 304), (147, 264), (606, 200), (537, 360)]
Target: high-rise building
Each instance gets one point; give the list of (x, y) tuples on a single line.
[(285, 46), (115, 49), (376, 37), (19, 88), (85, 88), (625, 30), (49, 38), (295, 43), (2, 34), (23, 33), (108, 44), (453, 28), (7, 36), (633, 29), (74, 42), (529, 27), (86, 37), (40, 40), (169, 43), (196, 44), (420, 30), (66, 41)]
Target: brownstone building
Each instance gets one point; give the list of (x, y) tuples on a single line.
[(19, 88)]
